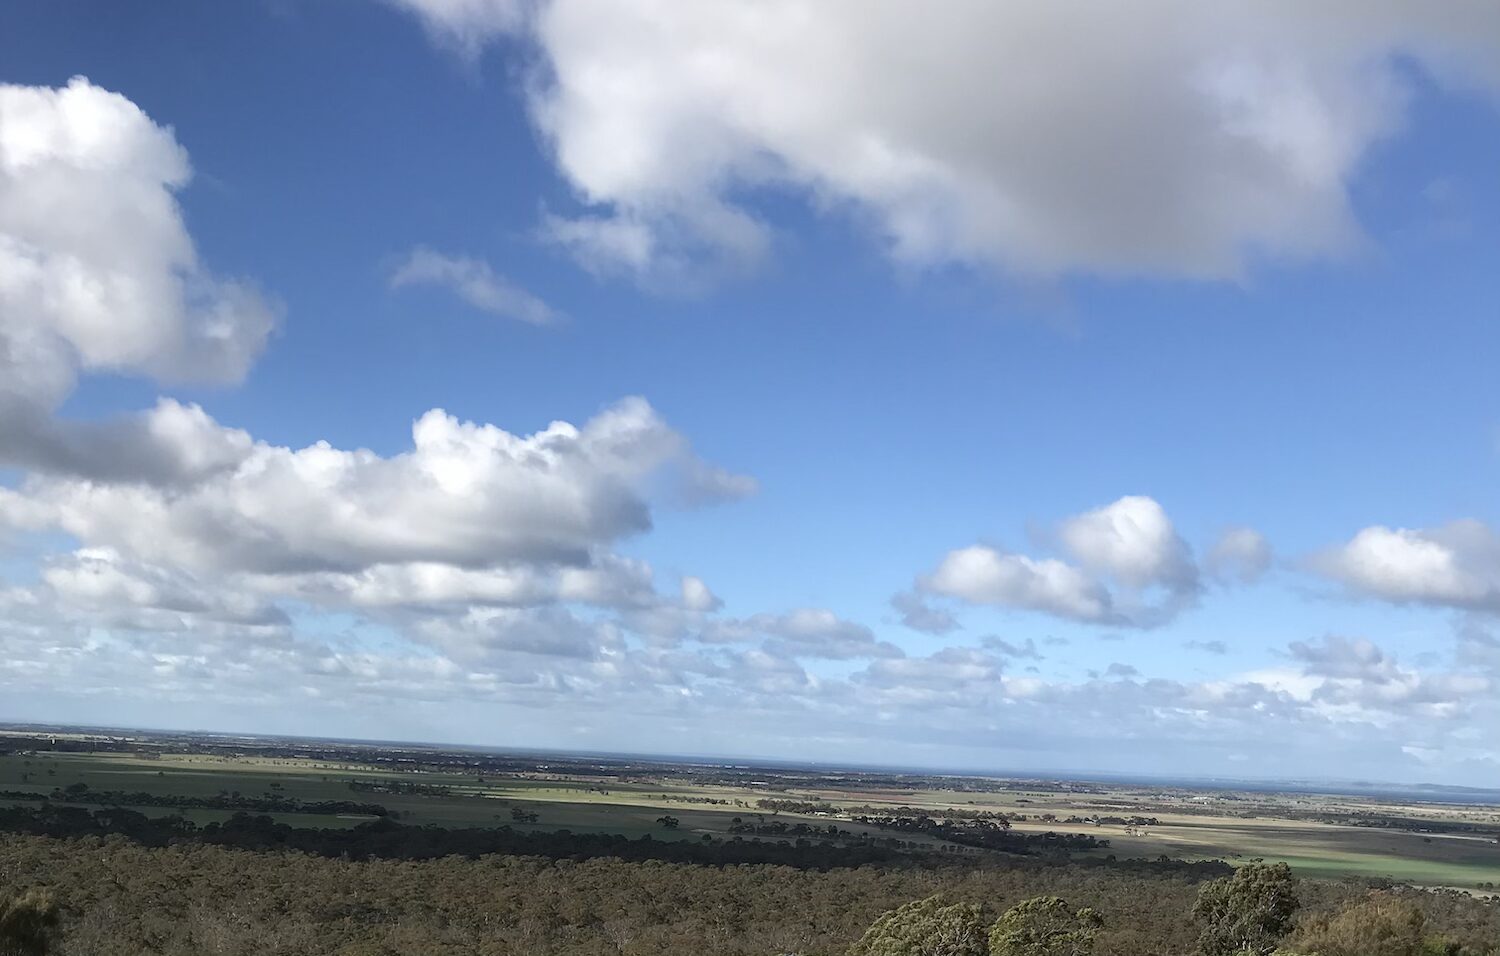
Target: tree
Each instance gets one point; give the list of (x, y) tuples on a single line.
[(1045, 926), (1248, 912), (668, 821), (927, 927), (1382, 925), (28, 924)]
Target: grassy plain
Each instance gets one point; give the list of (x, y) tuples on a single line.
[(1205, 826), (1189, 825)]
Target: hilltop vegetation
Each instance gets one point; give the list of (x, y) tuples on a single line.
[(119, 898)]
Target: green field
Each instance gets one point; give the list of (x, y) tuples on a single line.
[(1315, 850), (628, 809), (632, 808)]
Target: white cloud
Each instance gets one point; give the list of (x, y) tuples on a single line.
[(198, 546), (170, 444), (1132, 569), (684, 250), (1341, 657), (1026, 650), (607, 580), (483, 560), (1133, 541), (696, 595), (482, 636), (984, 575), (1358, 680), (810, 633), (102, 588), (1241, 555), (755, 672), (475, 282), (1343, 699), (917, 614), (468, 495), (1177, 139), (1457, 565), (819, 633), (467, 25), (960, 671), (97, 271)]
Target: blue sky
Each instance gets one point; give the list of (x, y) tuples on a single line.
[(1182, 363)]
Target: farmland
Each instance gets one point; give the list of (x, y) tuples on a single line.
[(1320, 834)]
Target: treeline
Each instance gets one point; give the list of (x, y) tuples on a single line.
[(388, 840), (804, 832), (401, 787), (122, 898), (951, 813), (986, 834), (268, 803), (796, 806), (1003, 818), (1097, 820), (679, 798), (1412, 824)]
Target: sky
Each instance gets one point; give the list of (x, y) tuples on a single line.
[(1011, 388)]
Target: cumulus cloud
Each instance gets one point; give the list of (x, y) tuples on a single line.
[(477, 551), (1133, 541), (481, 636), (757, 674), (809, 633), (983, 575), (96, 623), (467, 25), (1456, 565), (1355, 675), (105, 589), (976, 132), (467, 495), (1335, 697), (484, 559), (473, 281), (1341, 657), (98, 272), (1132, 569), (607, 580), (819, 633), (953, 673), (696, 595), (170, 444), (1024, 650), (919, 615), (1241, 555)]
